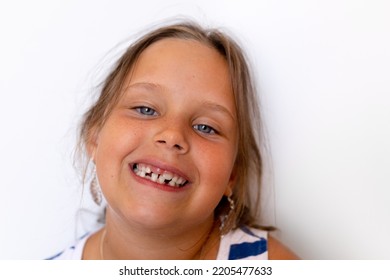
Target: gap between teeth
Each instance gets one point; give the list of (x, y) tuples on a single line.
[(165, 179)]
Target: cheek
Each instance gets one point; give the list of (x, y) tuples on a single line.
[(117, 135), (216, 163), (115, 142)]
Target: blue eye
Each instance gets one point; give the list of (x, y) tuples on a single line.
[(205, 129), (145, 111)]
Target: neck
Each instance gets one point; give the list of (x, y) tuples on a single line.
[(125, 242)]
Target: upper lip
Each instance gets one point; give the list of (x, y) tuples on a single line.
[(164, 167)]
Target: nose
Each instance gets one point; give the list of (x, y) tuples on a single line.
[(173, 138)]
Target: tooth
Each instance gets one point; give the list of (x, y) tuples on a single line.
[(173, 182), (167, 175), (161, 179), (154, 177), (168, 178), (180, 181)]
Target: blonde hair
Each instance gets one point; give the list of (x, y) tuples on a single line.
[(248, 164)]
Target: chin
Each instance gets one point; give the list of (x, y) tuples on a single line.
[(152, 220)]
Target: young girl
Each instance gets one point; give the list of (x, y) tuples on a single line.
[(173, 141)]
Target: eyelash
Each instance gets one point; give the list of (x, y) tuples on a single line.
[(199, 127)]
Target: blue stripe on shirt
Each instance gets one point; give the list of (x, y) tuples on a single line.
[(247, 249)]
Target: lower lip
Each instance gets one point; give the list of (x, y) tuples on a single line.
[(166, 188)]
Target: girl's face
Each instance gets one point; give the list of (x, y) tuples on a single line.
[(166, 153)]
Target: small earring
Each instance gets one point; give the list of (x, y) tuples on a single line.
[(95, 189), (225, 218)]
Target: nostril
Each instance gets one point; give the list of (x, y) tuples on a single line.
[(178, 147), (170, 145)]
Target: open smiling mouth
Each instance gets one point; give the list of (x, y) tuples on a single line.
[(163, 178)]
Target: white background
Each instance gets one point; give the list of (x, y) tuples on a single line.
[(323, 71)]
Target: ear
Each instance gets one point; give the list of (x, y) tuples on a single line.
[(92, 143), (232, 181)]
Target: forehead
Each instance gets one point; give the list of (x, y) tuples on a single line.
[(182, 55), (184, 65), (182, 48)]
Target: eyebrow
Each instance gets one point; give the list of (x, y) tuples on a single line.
[(219, 108), (208, 104), (147, 86)]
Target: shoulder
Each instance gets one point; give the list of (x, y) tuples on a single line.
[(73, 252), (243, 243), (252, 243), (278, 251)]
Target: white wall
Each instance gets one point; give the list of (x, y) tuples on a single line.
[(323, 68)]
